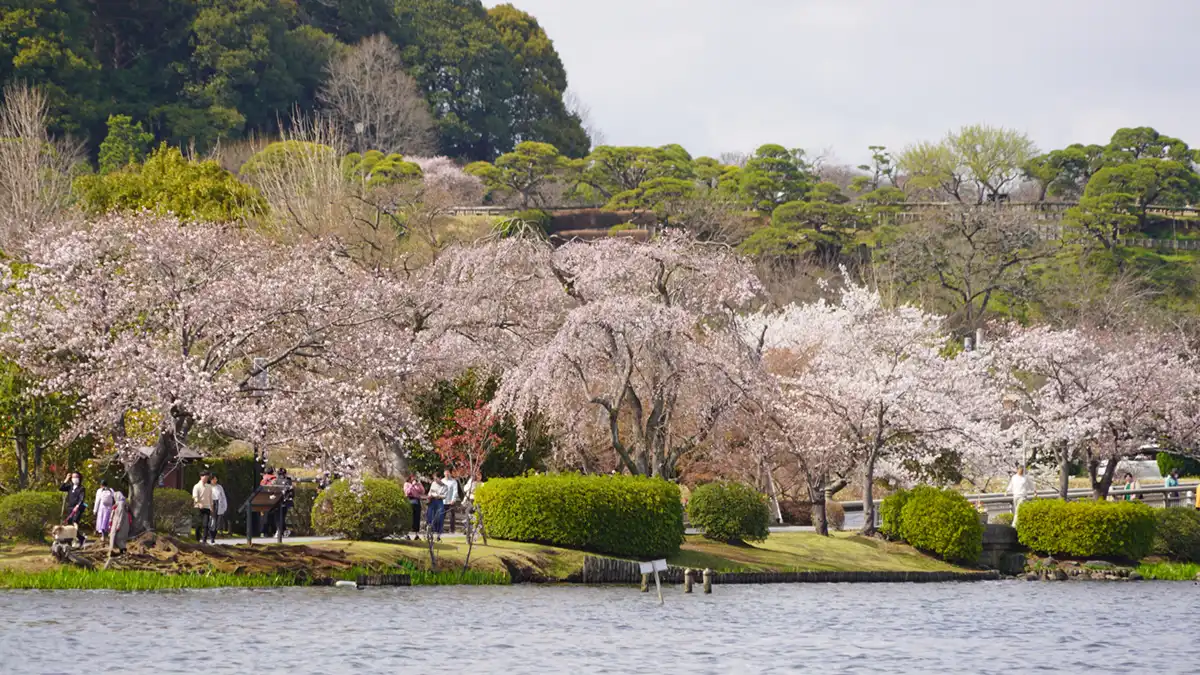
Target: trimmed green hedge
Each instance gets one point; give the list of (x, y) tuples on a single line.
[(729, 512), (299, 517), (1177, 534), (29, 515), (942, 522), (620, 515), (236, 474), (1186, 465), (377, 512), (1087, 528), (174, 511)]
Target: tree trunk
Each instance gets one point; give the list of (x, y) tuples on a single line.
[(22, 443), (144, 473), (773, 497), (1101, 482), (816, 497), (868, 526), (1064, 472)]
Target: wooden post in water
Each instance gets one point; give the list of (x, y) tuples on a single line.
[(688, 580), (708, 575), (645, 583)]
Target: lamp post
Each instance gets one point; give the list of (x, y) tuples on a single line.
[(259, 380)]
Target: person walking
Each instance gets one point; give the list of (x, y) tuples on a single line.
[(1129, 485), (220, 505), (1021, 488), (75, 506), (104, 508), (1172, 480), (451, 496), (285, 505), (415, 493), (202, 501), (436, 512), (122, 521)]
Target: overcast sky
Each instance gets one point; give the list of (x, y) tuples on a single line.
[(727, 75)]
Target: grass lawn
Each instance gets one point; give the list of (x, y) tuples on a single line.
[(803, 551), (781, 552)]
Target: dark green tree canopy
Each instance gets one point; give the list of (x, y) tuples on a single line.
[(199, 70)]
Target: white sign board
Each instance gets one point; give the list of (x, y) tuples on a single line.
[(653, 566)]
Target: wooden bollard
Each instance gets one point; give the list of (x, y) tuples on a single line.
[(708, 580), (645, 583), (688, 579)]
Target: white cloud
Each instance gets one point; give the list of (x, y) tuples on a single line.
[(718, 75)]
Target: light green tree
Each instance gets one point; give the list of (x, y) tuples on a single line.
[(977, 162), (168, 183), (526, 171), (125, 144)]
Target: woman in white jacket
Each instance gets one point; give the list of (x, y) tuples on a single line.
[(104, 508)]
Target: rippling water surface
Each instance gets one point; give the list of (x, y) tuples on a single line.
[(994, 627)]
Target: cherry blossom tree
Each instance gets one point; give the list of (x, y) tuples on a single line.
[(858, 381), (145, 317), (1099, 396), (645, 359)]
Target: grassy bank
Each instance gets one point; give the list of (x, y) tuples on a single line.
[(78, 579), (1164, 571), (781, 552), (500, 562)]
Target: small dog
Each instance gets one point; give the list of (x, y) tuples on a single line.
[(64, 534)]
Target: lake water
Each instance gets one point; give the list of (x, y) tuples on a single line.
[(991, 627)]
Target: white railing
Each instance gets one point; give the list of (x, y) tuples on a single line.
[(1183, 494)]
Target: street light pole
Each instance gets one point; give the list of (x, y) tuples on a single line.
[(259, 381)]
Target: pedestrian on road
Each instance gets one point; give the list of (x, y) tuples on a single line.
[(202, 501), (1130, 484), (104, 508), (289, 497), (415, 493), (1021, 488), (220, 505), (435, 514), (75, 506), (452, 496), (1172, 481)]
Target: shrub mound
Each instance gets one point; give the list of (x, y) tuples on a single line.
[(619, 515), (376, 512), (1087, 528), (1177, 534), (890, 514), (173, 511), (729, 512), (942, 522), (29, 515)]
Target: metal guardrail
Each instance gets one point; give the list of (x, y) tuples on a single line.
[(1183, 494)]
